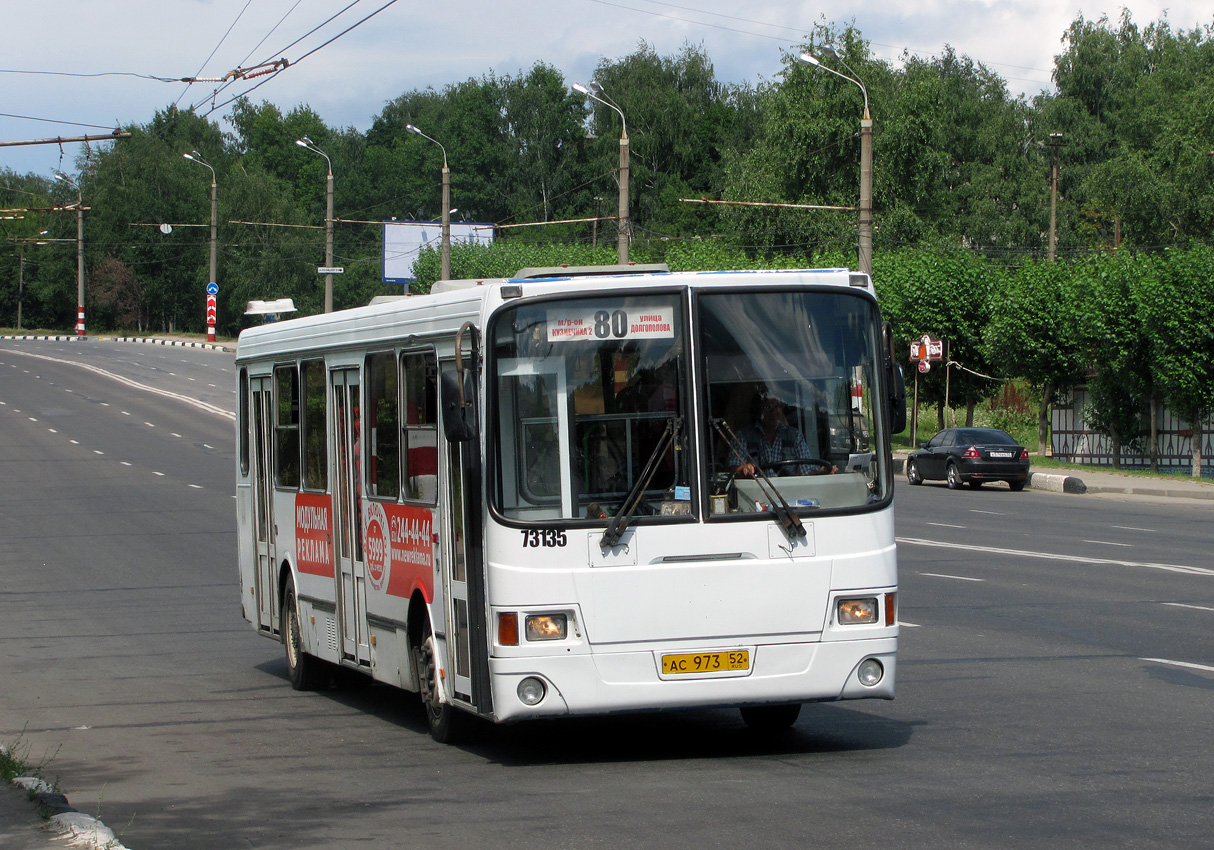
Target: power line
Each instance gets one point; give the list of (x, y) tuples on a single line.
[(216, 48)]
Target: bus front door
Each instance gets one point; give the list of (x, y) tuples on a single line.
[(265, 588), (347, 495), (467, 647)]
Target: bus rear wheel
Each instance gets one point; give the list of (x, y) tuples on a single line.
[(304, 670), (771, 718), (445, 720)]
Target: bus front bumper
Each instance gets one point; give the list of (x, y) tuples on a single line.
[(610, 682)]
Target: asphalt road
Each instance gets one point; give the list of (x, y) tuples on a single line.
[(1055, 681)]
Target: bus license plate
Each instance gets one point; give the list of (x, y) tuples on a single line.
[(706, 662)]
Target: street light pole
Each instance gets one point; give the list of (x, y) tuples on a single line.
[(445, 253), (211, 315), (595, 92), (865, 236), (80, 328), (307, 143)]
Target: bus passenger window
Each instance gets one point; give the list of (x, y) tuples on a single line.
[(315, 447), (383, 427), (286, 426), (421, 426)]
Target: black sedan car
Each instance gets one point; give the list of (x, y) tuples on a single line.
[(970, 456)]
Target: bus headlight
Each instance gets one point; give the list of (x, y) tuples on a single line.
[(531, 691), (857, 611), (870, 672), (547, 626)]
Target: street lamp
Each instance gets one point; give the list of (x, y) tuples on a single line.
[(866, 158), (59, 175), (446, 245), (595, 92), (197, 157), (307, 143)]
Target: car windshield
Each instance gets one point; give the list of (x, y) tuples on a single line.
[(791, 378), (586, 393)]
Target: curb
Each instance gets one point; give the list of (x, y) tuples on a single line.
[(211, 346), (1057, 483), (79, 829)]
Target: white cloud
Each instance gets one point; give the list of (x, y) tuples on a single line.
[(413, 45)]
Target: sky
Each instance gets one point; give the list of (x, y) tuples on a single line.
[(82, 67)]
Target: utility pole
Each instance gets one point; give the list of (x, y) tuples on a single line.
[(445, 251), (307, 144), (80, 328), (1054, 143), (864, 247), (212, 281), (595, 92)]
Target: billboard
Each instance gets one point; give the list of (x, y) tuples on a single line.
[(404, 240)]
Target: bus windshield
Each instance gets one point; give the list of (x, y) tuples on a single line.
[(793, 411), (586, 391)]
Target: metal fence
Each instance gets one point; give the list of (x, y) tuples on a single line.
[(1072, 440)]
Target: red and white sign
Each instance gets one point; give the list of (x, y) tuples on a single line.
[(399, 548), (314, 534), (926, 348)]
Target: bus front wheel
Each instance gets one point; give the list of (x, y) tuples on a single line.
[(444, 719)]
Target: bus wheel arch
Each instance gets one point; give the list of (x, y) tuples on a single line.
[(446, 722), (305, 671)]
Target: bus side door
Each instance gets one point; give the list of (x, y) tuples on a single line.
[(265, 588), (347, 494)]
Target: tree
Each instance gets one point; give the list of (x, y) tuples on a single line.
[(1031, 334), (1174, 305), (945, 296)]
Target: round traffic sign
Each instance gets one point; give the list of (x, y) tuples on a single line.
[(212, 288)]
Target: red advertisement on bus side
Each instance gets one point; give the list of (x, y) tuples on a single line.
[(399, 547), (314, 534)]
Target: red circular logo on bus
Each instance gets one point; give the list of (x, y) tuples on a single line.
[(376, 549)]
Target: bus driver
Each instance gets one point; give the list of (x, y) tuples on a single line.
[(772, 442)]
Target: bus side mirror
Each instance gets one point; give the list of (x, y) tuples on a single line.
[(459, 412), (897, 401)]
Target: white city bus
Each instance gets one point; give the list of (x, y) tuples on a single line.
[(533, 497)]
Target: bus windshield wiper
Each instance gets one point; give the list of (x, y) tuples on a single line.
[(619, 524), (779, 505)]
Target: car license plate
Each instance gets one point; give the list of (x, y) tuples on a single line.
[(1002, 454), (706, 662)]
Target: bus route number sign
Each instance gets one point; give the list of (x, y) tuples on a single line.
[(599, 323)]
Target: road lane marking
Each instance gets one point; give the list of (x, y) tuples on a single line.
[(958, 578), (1131, 528), (909, 625), (1052, 556), (1109, 543), (989, 513), (202, 405), (945, 525), (1190, 665), (1182, 605)]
